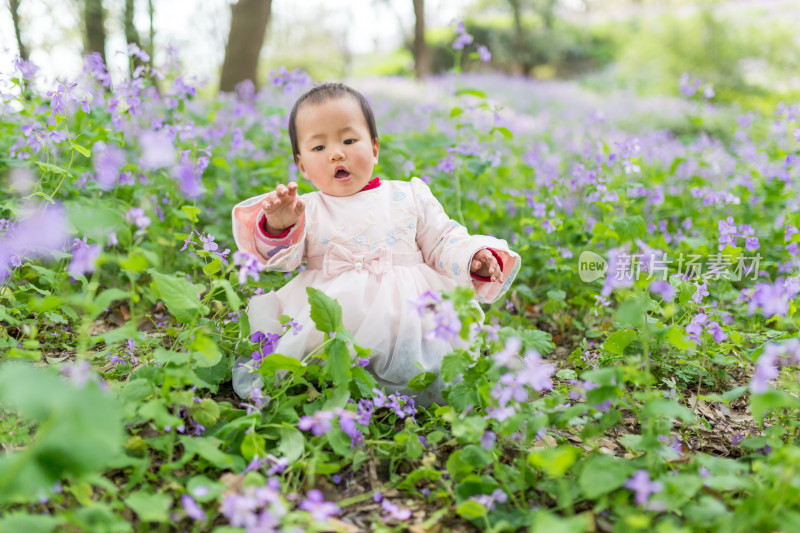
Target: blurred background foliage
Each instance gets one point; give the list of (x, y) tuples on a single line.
[(748, 50)]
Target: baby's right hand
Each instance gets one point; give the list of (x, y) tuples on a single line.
[(283, 208)]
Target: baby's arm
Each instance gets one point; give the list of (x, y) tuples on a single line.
[(480, 261), (272, 227), (282, 208)]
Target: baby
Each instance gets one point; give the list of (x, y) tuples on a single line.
[(373, 245)]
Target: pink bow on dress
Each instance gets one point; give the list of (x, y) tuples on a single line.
[(338, 259)]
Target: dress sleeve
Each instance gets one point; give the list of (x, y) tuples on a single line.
[(448, 248), (283, 253)]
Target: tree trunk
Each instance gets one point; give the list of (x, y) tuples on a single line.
[(151, 47), (519, 37), (131, 35), (249, 20), (422, 56), (94, 19), (13, 5)]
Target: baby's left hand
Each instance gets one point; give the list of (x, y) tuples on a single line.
[(485, 265)]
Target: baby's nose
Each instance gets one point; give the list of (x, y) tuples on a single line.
[(337, 154)]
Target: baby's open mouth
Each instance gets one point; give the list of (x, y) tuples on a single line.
[(342, 174)]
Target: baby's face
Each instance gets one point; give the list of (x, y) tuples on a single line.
[(337, 153)]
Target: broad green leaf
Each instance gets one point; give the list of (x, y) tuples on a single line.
[(325, 311), (83, 151), (205, 351), (602, 474), (668, 409), (275, 362), (253, 444), (29, 523), (629, 228), (471, 510), (677, 337), (291, 444), (337, 367), (554, 461), (618, 340), (454, 364), (472, 92), (180, 296), (150, 507), (422, 381)]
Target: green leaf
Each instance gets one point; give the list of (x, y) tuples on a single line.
[(150, 507), (325, 311), (166, 357), (505, 132), (208, 449), (602, 474), (83, 151), (22, 521), (230, 293), (668, 409), (454, 364), (292, 443), (205, 413), (179, 295), (629, 228), (205, 351), (213, 267), (677, 337), (339, 362), (93, 220), (470, 429), (471, 92), (104, 299), (532, 339), (191, 212), (422, 381), (471, 510), (617, 341), (275, 362), (554, 461), (253, 444)]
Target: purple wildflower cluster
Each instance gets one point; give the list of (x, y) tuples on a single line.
[(771, 298), (320, 422), (84, 257), (273, 464), (691, 86), (446, 324), (125, 357), (289, 80), (462, 37), (38, 234), (207, 240), (490, 501), (620, 271), (258, 509), (642, 486), (320, 510), (729, 232), (393, 511), (534, 373), (249, 266), (700, 324), (257, 401), (267, 343), (774, 356), (80, 373), (136, 216)]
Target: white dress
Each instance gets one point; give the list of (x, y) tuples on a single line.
[(373, 252)]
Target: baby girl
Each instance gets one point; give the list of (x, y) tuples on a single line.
[(373, 245)]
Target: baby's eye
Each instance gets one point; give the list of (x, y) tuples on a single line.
[(318, 148), (349, 141)]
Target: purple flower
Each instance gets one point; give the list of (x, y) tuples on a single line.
[(500, 413), (347, 423), (772, 298), (484, 54), (447, 324), (508, 356), (702, 290), (790, 232), (248, 264), (536, 373), (108, 161), (663, 289), (379, 399), (619, 271), (158, 150), (394, 511), (319, 423), (36, 234), (83, 260), (193, 511), (642, 486), (446, 165), (136, 216), (426, 301), (539, 210), (488, 439), (320, 510)]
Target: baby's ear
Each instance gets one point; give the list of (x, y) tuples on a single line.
[(299, 162), (375, 149)]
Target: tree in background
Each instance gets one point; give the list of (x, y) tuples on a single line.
[(422, 55), (13, 6), (131, 34), (94, 18), (249, 19)]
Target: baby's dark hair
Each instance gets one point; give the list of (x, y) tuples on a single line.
[(323, 93)]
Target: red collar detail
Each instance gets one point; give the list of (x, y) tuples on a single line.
[(373, 184)]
